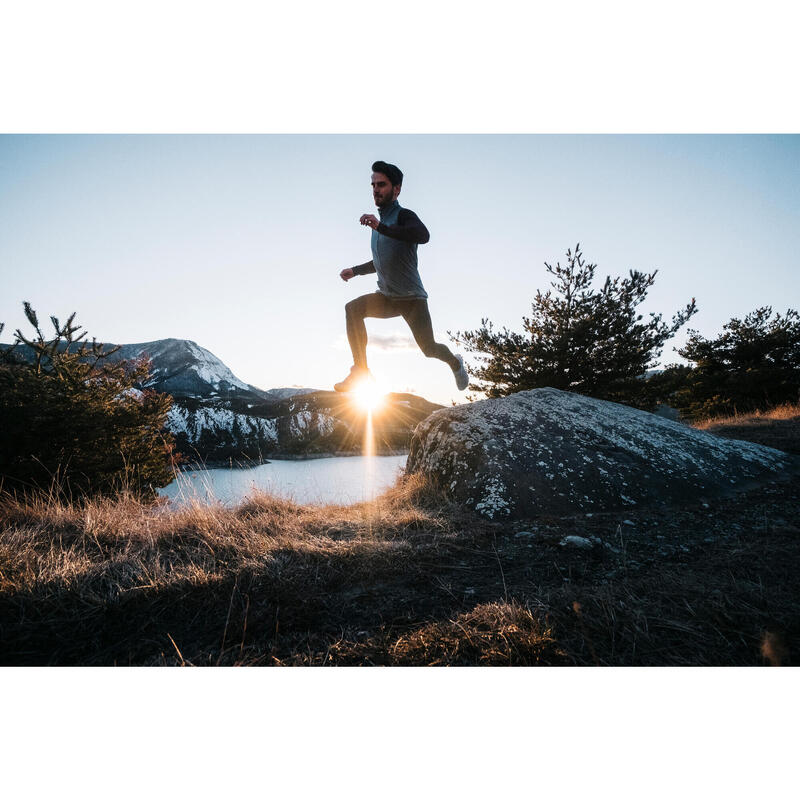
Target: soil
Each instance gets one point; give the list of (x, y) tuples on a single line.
[(710, 584)]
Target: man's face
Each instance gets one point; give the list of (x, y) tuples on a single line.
[(383, 191)]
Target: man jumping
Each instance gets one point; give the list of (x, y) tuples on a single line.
[(400, 292)]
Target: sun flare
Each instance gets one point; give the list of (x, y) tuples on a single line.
[(369, 396)]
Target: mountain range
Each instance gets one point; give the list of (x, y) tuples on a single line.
[(217, 417)]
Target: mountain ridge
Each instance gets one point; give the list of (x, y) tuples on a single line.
[(217, 417)]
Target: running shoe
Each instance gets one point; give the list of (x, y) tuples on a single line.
[(357, 374), (461, 376)]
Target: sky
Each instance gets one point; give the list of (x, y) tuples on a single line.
[(236, 241)]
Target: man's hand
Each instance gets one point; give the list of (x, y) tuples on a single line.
[(371, 220), (346, 274)]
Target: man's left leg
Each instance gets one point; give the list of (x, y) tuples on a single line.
[(419, 320)]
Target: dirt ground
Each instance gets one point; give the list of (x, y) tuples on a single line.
[(712, 584)]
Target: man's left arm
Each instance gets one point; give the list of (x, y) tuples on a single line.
[(409, 228)]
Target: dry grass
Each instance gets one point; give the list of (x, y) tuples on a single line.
[(779, 427), (87, 558), (46, 539), (498, 633), (407, 579), (788, 411)]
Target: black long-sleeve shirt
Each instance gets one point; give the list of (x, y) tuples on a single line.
[(409, 228)]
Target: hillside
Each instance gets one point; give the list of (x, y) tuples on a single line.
[(309, 424), (410, 579)]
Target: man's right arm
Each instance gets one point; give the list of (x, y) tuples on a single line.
[(364, 269)]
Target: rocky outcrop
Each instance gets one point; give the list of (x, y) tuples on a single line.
[(546, 451)]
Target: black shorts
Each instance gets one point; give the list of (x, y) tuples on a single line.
[(414, 310)]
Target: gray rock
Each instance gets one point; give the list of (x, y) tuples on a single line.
[(546, 451), (576, 541), (667, 412)]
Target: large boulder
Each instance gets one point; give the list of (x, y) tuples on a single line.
[(545, 451)]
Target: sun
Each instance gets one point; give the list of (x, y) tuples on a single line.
[(369, 396)]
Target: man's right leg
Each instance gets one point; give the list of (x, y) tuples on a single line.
[(368, 305)]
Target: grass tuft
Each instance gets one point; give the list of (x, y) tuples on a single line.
[(498, 633)]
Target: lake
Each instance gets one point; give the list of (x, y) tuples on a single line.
[(343, 480)]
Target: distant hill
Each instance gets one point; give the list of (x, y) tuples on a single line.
[(288, 391)]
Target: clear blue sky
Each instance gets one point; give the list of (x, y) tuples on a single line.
[(236, 242)]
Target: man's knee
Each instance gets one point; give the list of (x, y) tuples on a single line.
[(353, 309), (429, 348)]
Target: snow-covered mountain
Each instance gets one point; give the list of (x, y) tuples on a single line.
[(216, 415), (184, 369)]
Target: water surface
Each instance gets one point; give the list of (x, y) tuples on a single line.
[(344, 480)]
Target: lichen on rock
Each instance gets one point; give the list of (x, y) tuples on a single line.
[(547, 451)]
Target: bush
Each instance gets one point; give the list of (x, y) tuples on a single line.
[(75, 420)]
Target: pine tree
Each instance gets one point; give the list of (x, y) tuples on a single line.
[(753, 365), (75, 418), (577, 339)]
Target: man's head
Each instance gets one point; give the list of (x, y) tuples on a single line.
[(387, 180)]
